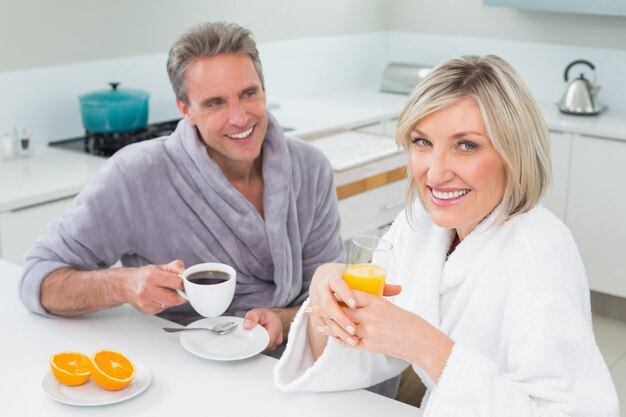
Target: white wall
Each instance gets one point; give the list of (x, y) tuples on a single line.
[(53, 51), (538, 44), (541, 65), (471, 18), (45, 100), (43, 33)]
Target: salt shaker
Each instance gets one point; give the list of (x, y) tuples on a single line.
[(7, 147)]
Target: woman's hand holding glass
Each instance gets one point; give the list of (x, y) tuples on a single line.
[(327, 291), (334, 284), (331, 305), (383, 327), (372, 323), (366, 320)]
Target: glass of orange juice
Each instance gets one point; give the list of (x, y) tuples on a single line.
[(366, 268)]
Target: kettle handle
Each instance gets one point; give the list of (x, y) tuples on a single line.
[(578, 61)]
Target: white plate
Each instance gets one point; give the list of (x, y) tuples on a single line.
[(89, 394), (239, 344)]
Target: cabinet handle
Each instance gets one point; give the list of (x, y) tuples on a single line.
[(394, 205)]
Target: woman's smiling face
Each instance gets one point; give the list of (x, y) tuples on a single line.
[(460, 176)]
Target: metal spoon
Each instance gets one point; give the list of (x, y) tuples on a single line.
[(218, 329)]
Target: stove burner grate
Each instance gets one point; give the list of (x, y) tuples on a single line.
[(106, 144)]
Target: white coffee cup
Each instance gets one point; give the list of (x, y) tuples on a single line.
[(210, 299)]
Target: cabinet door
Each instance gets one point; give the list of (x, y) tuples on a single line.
[(555, 198), (596, 211), (371, 209), (19, 228)]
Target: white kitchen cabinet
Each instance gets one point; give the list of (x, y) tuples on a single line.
[(20, 227), (555, 198), (596, 210), (371, 209)]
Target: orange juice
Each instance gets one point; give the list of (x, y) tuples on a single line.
[(366, 277)]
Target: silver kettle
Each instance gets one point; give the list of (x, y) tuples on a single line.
[(580, 96)]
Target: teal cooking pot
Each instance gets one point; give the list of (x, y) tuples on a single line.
[(114, 110)]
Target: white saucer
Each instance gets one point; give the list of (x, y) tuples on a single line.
[(239, 344), (89, 394)]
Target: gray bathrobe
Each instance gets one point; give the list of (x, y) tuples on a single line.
[(165, 199)]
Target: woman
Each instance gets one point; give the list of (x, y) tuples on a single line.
[(493, 311)]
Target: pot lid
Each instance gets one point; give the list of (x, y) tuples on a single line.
[(113, 95)]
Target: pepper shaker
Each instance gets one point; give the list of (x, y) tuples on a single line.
[(25, 143)]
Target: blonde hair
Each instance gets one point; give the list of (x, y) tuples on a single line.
[(512, 118)]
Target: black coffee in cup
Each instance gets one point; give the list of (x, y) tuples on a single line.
[(208, 277)]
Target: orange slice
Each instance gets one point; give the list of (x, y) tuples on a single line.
[(70, 368), (111, 370)]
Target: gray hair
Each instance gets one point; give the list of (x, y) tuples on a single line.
[(512, 118), (207, 40)]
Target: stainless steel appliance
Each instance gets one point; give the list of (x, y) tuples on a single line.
[(401, 78), (106, 144), (580, 97)]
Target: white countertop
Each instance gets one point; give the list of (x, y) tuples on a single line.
[(342, 109), (609, 124), (49, 174), (351, 108), (182, 384), (53, 174)]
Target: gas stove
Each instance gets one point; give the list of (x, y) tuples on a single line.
[(106, 144)]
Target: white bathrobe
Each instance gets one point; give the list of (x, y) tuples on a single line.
[(515, 300)]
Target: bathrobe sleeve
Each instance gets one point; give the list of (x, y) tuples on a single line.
[(337, 369), (92, 234)]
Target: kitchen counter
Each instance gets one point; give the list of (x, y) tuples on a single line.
[(35, 191), (313, 116), (53, 174), (609, 124), (49, 174), (318, 116), (182, 384), (371, 175)]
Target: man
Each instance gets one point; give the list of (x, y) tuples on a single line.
[(226, 186)]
